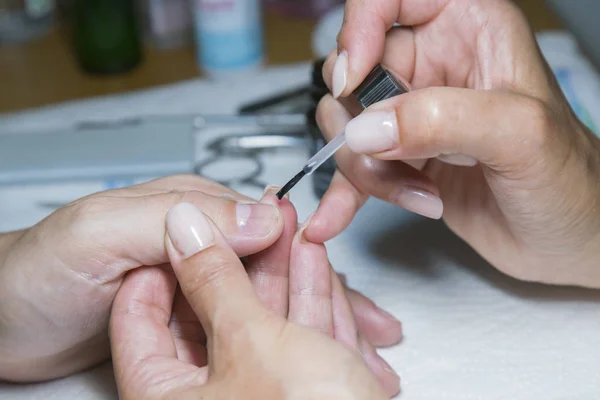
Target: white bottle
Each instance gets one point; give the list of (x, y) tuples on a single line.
[(229, 36)]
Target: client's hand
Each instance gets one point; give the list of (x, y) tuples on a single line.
[(60, 276), (251, 352)]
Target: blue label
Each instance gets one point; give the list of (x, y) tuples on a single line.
[(230, 50)]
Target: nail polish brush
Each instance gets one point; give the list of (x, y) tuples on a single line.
[(379, 85)]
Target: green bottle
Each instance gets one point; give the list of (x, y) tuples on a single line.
[(106, 35)]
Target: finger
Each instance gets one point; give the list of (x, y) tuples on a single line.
[(361, 40), (138, 329), (336, 210), (389, 379), (210, 274), (132, 230), (310, 286), (445, 121), (269, 269), (392, 181), (398, 57), (379, 328), (187, 332), (344, 326)]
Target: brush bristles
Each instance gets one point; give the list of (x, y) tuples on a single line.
[(288, 186)]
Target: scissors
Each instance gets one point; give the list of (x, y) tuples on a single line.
[(247, 147)]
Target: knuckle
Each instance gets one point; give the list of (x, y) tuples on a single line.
[(531, 145), (432, 115)]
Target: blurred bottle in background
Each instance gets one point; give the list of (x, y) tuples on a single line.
[(229, 36), (167, 23), (312, 9), (23, 20), (105, 35)]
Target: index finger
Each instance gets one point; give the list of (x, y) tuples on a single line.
[(361, 40)]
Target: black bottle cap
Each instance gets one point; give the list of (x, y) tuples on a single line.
[(379, 85)]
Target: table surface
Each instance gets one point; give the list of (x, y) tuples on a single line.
[(44, 72)]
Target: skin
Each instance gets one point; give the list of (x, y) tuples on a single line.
[(253, 352), (61, 276), (482, 91)]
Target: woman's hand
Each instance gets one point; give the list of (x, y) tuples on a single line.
[(250, 352), (60, 276), (486, 139)]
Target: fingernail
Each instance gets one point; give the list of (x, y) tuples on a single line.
[(340, 74), (372, 132), (189, 229), (257, 220), (419, 201), (273, 189)]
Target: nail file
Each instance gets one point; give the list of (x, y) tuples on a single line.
[(379, 85)]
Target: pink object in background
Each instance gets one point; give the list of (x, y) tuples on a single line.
[(302, 8), (167, 23)]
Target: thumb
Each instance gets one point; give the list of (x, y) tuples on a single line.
[(210, 274), (497, 128), (361, 40)]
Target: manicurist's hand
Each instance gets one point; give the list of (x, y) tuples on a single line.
[(485, 140)]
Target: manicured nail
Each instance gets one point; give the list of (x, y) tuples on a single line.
[(340, 74), (458, 159), (257, 220), (273, 189), (189, 229), (419, 201), (372, 132)]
